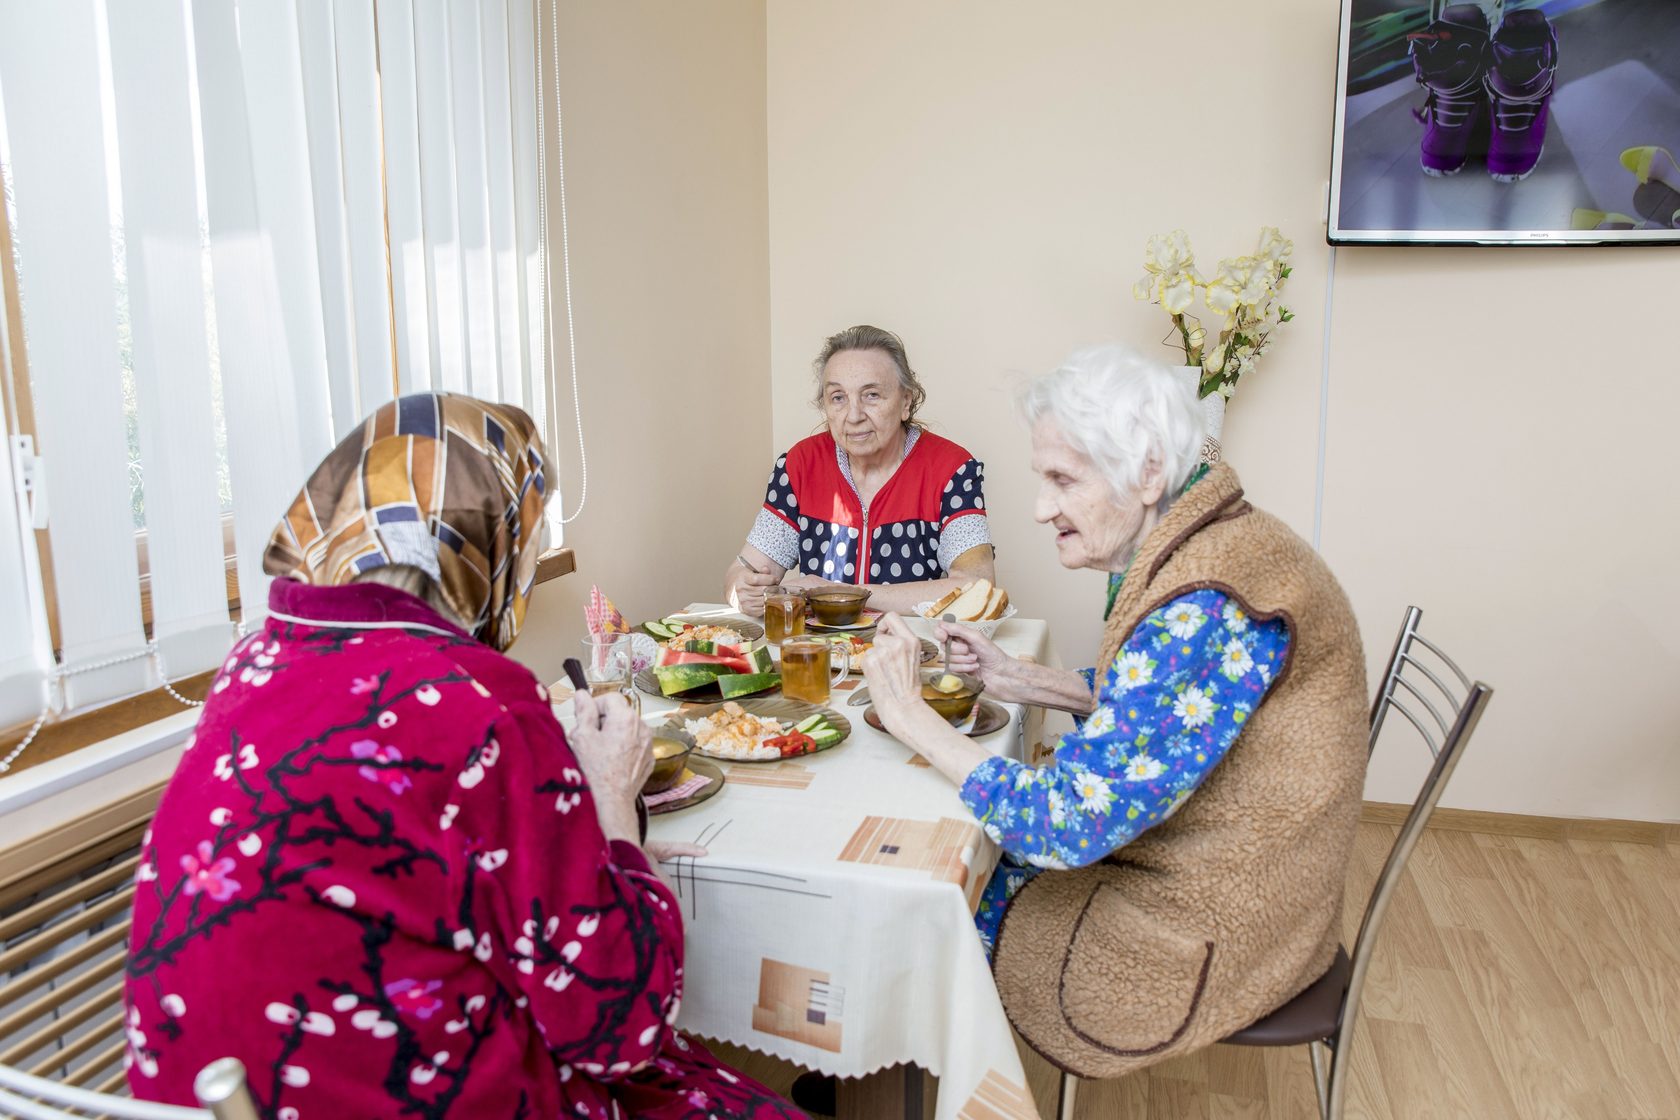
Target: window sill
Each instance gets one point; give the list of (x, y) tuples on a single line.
[(554, 563), (84, 747), (28, 803)]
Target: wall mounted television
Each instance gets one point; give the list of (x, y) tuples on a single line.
[(1507, 122)]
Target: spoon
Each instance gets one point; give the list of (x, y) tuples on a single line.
[(946, 682)]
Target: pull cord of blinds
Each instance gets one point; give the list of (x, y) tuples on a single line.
[(60, 672), (548, 357)]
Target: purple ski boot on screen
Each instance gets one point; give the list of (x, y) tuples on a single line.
[(1522, 63), (1451, 58)]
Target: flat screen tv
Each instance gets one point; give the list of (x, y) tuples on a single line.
[(1507, 122)]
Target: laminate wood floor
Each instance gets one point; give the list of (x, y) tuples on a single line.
[(1514, 978)]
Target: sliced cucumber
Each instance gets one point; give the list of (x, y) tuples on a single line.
[(811, 722), (826, 737), (659, 630)]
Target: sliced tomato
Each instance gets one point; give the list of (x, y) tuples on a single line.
[(792, 744)]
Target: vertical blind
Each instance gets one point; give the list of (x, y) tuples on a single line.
[(239, 227)]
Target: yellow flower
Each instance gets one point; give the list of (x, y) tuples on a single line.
[(1169, 253), (1171, 268), (1273, 246)]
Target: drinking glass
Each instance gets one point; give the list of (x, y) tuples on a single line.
[(607, 663), (811, 667), (784, 615)]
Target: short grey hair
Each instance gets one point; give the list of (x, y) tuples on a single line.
[(866, 337), (1121, 410)]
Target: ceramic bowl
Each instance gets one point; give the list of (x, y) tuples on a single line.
[(956, 706), (671, 748), (837, 606)]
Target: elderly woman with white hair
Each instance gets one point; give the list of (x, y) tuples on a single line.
[(1175, 871)]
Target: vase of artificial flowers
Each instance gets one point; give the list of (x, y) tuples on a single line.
[(1244, 293)]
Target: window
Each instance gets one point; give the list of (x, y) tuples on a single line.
[(231, 230)]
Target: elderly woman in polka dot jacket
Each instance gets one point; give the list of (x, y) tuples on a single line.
[(876, 499)]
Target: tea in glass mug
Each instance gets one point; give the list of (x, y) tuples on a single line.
[(784, 615), (811, 667)]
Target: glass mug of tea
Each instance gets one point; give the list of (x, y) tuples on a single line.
[(607, 664), (811, 667), (784, 615)]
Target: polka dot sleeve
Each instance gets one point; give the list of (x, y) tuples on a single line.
[(779, 498), (963, 499), (963, 492)]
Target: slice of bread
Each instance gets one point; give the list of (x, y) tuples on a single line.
[(996, 605), (971, 604), (944, 604)]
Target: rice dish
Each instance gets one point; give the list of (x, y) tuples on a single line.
[(731, 733)]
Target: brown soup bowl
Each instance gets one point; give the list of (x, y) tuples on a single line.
[(837, 606), (956, 705), (671, 748)]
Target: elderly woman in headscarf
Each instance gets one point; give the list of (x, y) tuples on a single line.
[(382, 876), (1175, 871)]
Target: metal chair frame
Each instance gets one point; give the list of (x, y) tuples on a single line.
[(1466, 707), (219, 1087)]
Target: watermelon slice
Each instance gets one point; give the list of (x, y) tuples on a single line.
[(728, 664), (743, 684), (674, 679)]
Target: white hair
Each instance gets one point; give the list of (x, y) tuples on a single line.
[(1122, 411)]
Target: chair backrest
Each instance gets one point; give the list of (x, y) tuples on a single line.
[(1417, 670), (64, 920)]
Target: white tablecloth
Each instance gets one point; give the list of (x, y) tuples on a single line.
[(832, 924)]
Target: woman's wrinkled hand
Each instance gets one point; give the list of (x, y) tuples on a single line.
[(973, 653), (892, 666), (746, 594), (614, 748)]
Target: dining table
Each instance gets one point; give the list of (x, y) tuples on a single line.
[(831, 924)]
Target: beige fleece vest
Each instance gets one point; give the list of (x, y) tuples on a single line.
[(1230, 907)]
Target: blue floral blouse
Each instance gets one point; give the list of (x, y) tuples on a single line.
[(1171, 704)]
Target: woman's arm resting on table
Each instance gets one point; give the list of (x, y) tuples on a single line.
[(1172, 703), (592, 935), (974, 564)]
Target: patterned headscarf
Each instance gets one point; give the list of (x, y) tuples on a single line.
[(451, 485)]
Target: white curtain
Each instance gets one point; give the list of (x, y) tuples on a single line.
[(290, 210)]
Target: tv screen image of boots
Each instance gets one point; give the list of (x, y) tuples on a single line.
[(1508, 121)]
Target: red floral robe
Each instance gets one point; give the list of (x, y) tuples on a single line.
[(378, 880)]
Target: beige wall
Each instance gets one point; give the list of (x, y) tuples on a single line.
[(666, 192), (981, 177)]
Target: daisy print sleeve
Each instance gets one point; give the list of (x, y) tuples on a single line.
[(1170, 705)]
